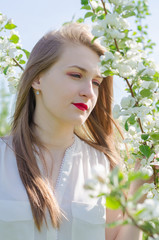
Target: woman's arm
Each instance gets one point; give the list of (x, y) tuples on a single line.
[(128, 232)]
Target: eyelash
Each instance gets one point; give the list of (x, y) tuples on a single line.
[(79, 76)]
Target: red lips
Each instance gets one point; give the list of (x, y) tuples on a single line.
[(81, 106)]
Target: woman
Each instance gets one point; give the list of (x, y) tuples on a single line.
[(62, 128)]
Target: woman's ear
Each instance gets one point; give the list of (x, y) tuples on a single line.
[(36, 83)]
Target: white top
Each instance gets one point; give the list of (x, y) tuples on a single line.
[(86, 216)]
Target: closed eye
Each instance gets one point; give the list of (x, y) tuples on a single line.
[(75, 75), (96, 83), (78, 75)]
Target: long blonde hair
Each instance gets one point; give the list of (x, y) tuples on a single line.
[(97, 131)]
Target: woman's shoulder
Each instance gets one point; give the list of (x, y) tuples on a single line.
[(5, 140), (5, 146)]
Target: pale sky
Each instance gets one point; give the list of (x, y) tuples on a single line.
[(35, 17)]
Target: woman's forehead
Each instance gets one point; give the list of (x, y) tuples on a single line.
[(81, 56)]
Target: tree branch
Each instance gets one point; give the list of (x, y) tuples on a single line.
[(137, 225), (116, 44), (17, 64), (130, 87), (105, 10)]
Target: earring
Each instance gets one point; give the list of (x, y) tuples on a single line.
[(37, 92)]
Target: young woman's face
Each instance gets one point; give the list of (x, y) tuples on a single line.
[(74, 78)]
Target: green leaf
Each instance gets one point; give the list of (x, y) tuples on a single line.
[(80, 20), (155, 136), (139, 212), (132, 176), (14, 38), (99, 9), (145, 150), (144, 136), (19, 57), (139, 73), (93, 18), (120, 176), (147, 78), (101, 17), (131, 119), (88, 14), (128, 14), (148, 227), (134, 33), (112, 203), (128, 8), (145, 93), (93, 39), (5, 70), (126, 126), (84, 2), (26, 53), (10, 26), (119, 9), (139, 28), (22, 62), (108, 73), (115, 177), (87, 7)]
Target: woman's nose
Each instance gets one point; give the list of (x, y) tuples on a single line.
[(87, 90)]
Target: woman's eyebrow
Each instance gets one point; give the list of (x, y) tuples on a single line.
[(84, 70)]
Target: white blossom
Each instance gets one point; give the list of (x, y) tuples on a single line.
[(157, 122), (133, 45), (97, 31), (149, 122), (148, 71), (3, 18), (125, 70), (132, 130), (116, 111), (150, 194), (94, 4), (112, 19), (12, 52), (147, 169), (107, 56), (114, 33), (141, 111), (148, 206), (140, 67), (149, 84), (127, 102), (121, 2), (146, 101), (123, 23)]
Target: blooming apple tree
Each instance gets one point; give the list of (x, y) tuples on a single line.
[(12, 55), (127, 56)]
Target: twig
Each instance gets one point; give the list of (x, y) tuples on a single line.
[(91, 7), (139, 121), (17, 64), (136, 224), (130, 87), (116, 44), (133, 220), (105, 10)]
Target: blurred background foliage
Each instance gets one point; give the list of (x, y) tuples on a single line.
[(5, 99)]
